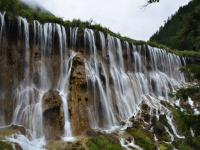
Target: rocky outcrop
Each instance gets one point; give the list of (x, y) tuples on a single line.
[(10, 131), (78, 97), (53, 116)]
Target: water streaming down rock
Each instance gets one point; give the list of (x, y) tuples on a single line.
[(2, 95), (118, 91), (65, 73), (40, 76), (73, 36), (120, 76), (2, 26), (100, 94)]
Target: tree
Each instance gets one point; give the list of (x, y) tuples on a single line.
[(152, 1)]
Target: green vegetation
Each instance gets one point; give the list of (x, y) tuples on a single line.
[(184, 121), (182, 30), (17, 8), (184, 53), (192, 72), (143, 138), (159, 130), (164, 146), (193, 92), (103, 142), (5, 146)]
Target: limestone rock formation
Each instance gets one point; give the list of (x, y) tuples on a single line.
[(78, 97), (53, 119)]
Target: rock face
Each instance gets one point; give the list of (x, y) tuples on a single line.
[(78, 97), (11, 130), (53, 115)]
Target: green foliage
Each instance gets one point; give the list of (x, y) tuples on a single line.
[(5, 146), (184, 121), (143, 138), (159, 130), (182, 30), (192, 72), (184, 93), (10, 5), (103, 142), (196, 142), (181, 145), (164, 146), (184, 53)]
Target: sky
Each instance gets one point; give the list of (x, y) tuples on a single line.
[(127, 17)]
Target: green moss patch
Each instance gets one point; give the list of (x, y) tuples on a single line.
[(164, 146), (5, 146), (103, 142), (143, 138), (159, 130)]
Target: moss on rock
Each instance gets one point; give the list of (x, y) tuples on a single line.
[(159, 130), (103, 142), (181, 145), (143, 138), (5, 146), (165, 146), (62, 145)]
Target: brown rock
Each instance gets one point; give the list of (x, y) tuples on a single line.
[(53, 115), (78, 97), (10, 130)]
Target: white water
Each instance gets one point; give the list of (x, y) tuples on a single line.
[(2, 93), (64, 95), (98, 87), (2, 16), (129, 145), (120, 77), (117, 97), (28, 110)]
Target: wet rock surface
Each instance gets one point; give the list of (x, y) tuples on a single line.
[(78, 97), (10, 131), (53, 116)]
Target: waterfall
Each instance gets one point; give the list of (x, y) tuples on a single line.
[(2, 16), (28, 111), (65, 73), (100, 93), (117, 91), (29, 94), (2, 95), (73, 36), (120, 76)]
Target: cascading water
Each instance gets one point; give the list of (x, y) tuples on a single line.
[(2, 25), (120, 76), (102, 100), (117, 91), (2, 95), (73, 36), (29, 94), (65, 73)]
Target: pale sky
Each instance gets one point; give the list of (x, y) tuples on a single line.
[(128, 17)]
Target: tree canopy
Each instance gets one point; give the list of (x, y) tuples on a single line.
[(182, 30)]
